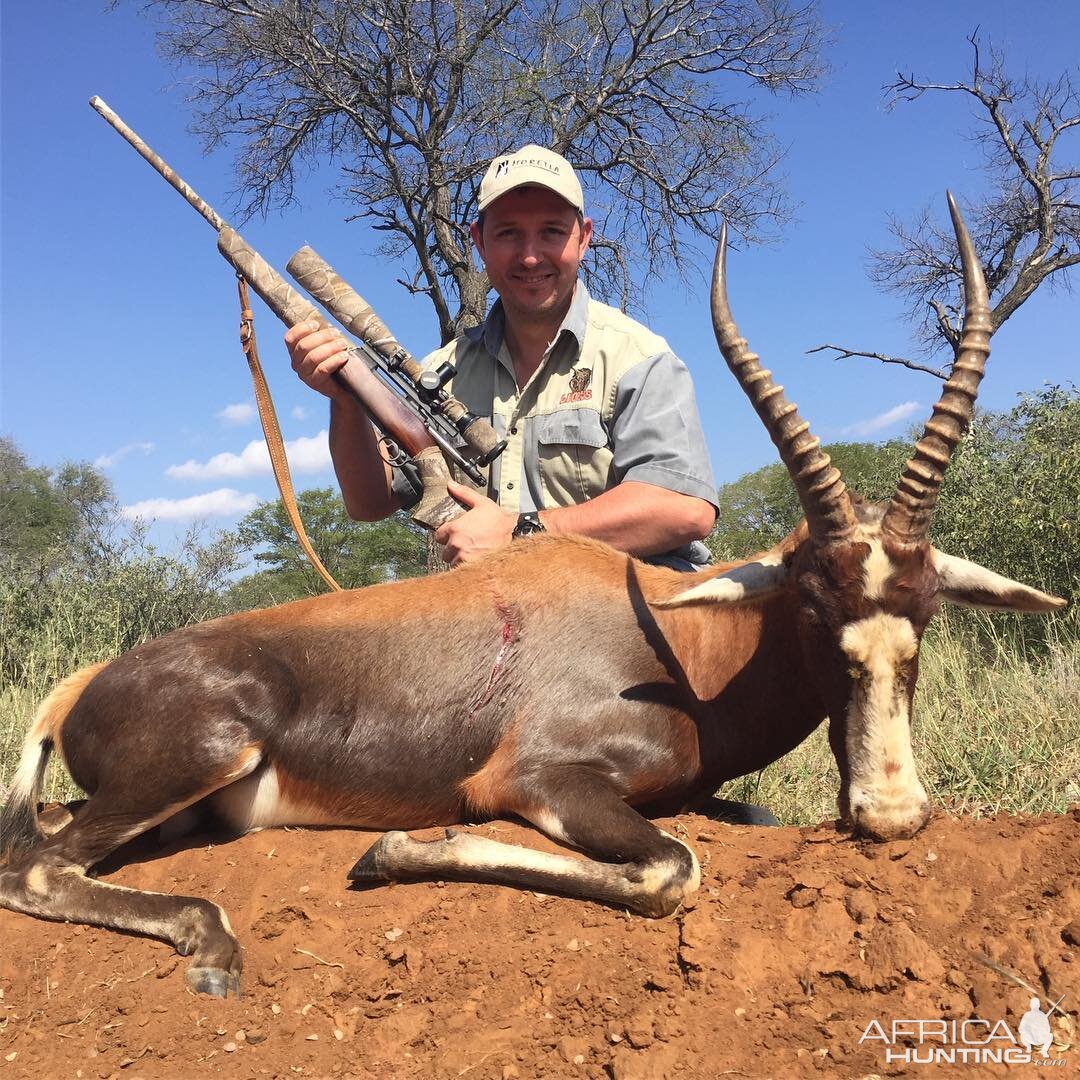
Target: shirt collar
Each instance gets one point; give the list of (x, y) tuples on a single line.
[(575, 322)]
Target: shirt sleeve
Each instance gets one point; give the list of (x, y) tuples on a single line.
[(656, 430)]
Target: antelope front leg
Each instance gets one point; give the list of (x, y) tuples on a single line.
[(572, 804)]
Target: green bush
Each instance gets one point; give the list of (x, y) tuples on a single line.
[(1011, 498), (70, 611), (355, 553), (759, 509)]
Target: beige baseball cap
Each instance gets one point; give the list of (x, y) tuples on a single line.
[(531, 164)]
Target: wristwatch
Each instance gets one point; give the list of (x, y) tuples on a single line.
[(527, 524)]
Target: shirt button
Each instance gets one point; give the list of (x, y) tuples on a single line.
[(510, 485), (513, 431)]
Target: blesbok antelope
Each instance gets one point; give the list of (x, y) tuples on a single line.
[(557, 680)]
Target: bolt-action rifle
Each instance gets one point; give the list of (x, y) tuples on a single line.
[(422, 424)]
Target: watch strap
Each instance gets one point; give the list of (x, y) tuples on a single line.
[(527, 524)]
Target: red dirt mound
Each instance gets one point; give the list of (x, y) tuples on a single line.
[(797, 942)]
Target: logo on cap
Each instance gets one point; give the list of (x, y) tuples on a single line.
[(531, 165)]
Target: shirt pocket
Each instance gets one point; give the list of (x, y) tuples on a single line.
[(575, 456)]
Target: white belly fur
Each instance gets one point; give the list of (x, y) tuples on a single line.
[(256, 802)]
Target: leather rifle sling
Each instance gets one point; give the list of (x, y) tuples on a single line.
[(272, 432)]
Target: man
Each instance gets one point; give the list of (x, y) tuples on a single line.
[(1035, 1031), (603, 434)]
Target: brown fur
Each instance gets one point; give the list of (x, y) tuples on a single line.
[(53, 711), (340, 806), (490, 789)]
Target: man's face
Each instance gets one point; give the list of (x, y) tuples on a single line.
[(532, 245)]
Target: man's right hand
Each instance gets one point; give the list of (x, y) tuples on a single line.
[(316, 354)]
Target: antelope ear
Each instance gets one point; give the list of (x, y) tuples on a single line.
[(973, 585), (748, 582)]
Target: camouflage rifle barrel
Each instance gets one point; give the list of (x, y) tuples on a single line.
[(350, 309), (385, 407)]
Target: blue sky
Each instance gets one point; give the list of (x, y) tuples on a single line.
[(119, 317)]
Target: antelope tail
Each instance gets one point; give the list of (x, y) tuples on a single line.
[(19, 829)]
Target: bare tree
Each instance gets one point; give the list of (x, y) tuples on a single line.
[(411, 100), (1026, 230)]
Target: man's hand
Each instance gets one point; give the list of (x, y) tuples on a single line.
[(484, 527), (316, 354)]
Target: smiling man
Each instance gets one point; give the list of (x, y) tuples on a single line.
[(602, 429)]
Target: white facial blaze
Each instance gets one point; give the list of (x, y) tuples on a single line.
[(877, 568), (887, 799)]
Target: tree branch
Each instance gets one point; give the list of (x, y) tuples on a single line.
[(411, 101), (844, 354), (1026, 230)]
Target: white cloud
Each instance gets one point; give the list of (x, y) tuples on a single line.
[(107, 461), (306, 455), (311, 454), (241, 413), (300, 412), (884, 420), (225, 502)]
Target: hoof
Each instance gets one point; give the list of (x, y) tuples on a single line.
[(373, 864), (366, 868), (212, 981)]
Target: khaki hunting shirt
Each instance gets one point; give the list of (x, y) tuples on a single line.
[(609, 402)]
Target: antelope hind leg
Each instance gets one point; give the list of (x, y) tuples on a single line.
[(51, 882), (51, 888), (649, 871)]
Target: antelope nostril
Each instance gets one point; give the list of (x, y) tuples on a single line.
[(891, 824)]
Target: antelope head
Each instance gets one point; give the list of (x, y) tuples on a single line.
[(865, 578)]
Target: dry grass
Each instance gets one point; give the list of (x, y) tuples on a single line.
[(995, 729)]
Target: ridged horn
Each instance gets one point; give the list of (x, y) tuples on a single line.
[(908, 516), (818, 482)]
